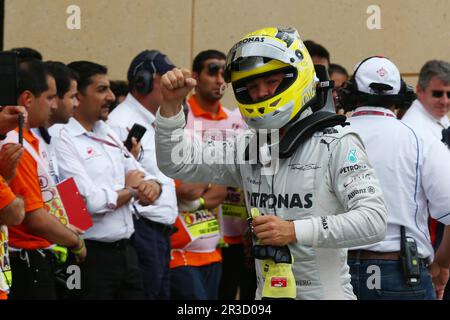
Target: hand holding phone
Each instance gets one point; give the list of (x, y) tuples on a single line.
[(9, 117), (137, 132)]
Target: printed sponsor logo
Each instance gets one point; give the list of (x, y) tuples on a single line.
[(356, 179), (329, 131), (248, 40), (382, 72), (308, 93), (323, 141), (303, 283), (324, 222), (264, 200), (253, 181), (279, 282), (197, 217), (351, 157), (354, 167), (356, 192), (306, 167)]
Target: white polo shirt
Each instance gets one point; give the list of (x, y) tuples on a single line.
[(419, 118), (122, 119), (51, 156), (98, 162), (412, 174)]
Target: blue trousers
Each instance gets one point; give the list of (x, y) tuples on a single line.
[(196, 283), (152, 246), (383, 280)]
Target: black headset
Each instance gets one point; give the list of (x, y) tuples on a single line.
[(350, 96), (144, 72)]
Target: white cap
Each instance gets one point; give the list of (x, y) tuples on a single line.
[(378, 70)]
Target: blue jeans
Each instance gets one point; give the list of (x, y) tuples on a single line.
[(196, 283), (153, 250), (390, 285)]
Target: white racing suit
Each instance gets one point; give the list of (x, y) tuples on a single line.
[(327, 187)]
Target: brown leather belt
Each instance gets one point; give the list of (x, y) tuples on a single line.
[(373, 255)]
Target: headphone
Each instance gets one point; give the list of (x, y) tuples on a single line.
[(144, 72), (350, 96)]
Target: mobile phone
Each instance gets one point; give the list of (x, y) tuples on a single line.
[(20, 125), (8, 79), (137, 131)]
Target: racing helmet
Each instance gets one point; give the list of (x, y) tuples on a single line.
[(263, 53)]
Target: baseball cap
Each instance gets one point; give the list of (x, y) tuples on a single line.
[(161, 63), (378, 70)]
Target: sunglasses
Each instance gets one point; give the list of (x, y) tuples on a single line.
[(214, 68), (440, 93)]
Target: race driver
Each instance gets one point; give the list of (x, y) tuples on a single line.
[(318, 194)]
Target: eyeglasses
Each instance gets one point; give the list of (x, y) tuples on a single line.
[(214, 68), (440, 93)]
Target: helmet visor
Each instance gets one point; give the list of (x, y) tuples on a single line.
[(262, 48), (241, 91)]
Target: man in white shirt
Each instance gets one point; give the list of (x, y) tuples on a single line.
[(412, 179), (108, 177), (66, 100), (153, 224), (429, 113)]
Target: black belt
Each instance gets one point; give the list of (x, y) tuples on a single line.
[(165, 228), (122, 243), (375, 255), (33, 254)]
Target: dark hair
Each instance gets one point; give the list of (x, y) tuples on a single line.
[(119, 87), (197, 65), (32, 76), (316, 50), (63, 76), (25, 53), (86, 70), (336, 68)]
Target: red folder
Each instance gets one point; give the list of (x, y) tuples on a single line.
[(68, 205)]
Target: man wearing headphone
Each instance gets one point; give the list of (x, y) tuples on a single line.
[(153, 224), (412, 179), (304, 216)]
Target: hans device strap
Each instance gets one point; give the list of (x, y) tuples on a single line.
[(301, 131), (305, 128)]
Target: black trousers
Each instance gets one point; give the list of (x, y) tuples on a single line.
[(33, 275), (237, 272), (152, 244), (111, 272)]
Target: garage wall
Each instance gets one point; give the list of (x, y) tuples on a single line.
[(114, 31)]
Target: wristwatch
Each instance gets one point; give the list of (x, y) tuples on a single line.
[(133, 192)]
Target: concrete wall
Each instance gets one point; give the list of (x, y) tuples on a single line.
[(113, 31)]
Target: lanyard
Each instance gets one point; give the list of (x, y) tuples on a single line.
[(372, 113), (109, 143)]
